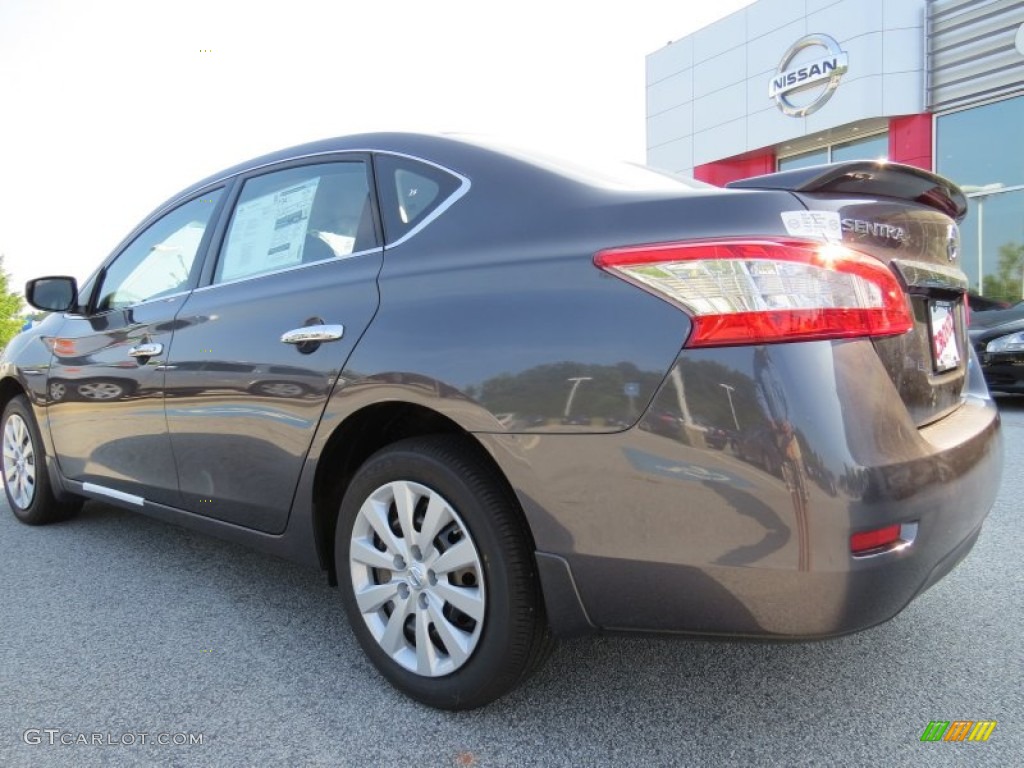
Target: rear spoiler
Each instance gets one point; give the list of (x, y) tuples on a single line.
[(868, 177)]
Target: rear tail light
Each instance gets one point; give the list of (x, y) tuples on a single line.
[(767, 290)]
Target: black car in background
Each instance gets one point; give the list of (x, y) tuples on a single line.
[(498, 398), (978, 303), (998, 338)]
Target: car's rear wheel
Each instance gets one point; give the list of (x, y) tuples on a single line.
[(26, 481), (437, 576)]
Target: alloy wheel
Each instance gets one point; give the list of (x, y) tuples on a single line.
[(19, 461)]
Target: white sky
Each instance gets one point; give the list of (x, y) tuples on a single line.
[(108, 107)]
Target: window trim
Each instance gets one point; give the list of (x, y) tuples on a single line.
[(246, 278)]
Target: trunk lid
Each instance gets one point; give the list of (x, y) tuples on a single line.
[(906, 218)]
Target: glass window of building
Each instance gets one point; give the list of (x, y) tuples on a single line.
[(981, 145), (992, 236), (817, 157), (992, 245), (869, 148)]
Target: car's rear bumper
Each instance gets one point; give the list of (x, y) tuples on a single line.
[(643, 531)]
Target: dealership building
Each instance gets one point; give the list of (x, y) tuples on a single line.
[(784, 84)]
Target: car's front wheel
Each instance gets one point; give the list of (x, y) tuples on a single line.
[(436, 571), (26, 481)]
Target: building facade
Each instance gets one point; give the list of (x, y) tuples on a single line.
[(788, 83)]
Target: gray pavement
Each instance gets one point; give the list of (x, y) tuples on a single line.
[(118, 625)]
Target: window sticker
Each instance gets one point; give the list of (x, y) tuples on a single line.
[(819, 225), (269, 232)]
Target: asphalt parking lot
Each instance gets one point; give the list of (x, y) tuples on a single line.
[(118, 625)]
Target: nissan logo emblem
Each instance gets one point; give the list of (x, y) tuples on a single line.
[(824, 72), (953, 242)]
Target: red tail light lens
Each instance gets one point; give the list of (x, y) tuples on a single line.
[(869, 540), (766, 290)]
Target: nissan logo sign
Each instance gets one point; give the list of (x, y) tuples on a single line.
[(824, 73)]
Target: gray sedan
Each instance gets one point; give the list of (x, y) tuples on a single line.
[(497, 398)]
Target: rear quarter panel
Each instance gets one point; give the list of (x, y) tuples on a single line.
[(499, 301)]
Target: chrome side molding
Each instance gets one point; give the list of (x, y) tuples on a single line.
[(102, 490)]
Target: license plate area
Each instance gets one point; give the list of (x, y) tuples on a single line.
[(942, 334)]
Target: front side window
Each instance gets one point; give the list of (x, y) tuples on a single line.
[(298, 216), (409, 192), (161, 260)]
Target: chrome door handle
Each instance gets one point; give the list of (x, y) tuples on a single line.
[(313, 334), (146, 350)]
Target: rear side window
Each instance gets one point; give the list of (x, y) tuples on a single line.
[(298, 216), (410, 191)]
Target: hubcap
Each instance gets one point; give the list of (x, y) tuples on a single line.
[(417, 578), (282, 389), (19, 462), (102, 390)]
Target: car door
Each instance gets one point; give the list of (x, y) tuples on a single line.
[(261, 343), (105, 382)]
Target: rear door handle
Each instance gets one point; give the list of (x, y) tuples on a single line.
[(313, 334), (146, 350)]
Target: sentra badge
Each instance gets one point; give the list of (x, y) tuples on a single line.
[(874, 229)]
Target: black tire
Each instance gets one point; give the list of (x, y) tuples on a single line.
[(39, 505), (513, 639)]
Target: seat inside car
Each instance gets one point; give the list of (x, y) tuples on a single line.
[(341, 219)]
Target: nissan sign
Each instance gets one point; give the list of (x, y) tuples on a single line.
[(823, 72)]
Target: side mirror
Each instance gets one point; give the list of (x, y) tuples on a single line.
[(53, 294)]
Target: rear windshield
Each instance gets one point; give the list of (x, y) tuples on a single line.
[(602, 172)]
